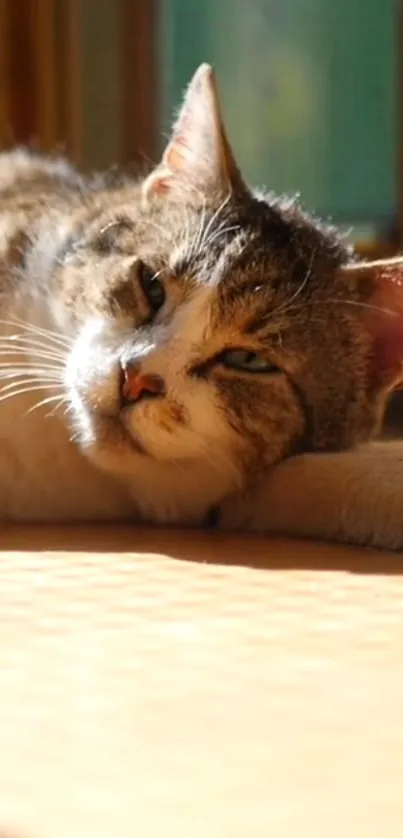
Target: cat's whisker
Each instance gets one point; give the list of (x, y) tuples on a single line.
[(196, 244), (39, 340), (37, 375), (187, 233), (27, 340), (34, 380), (16, 379), (21, 350), (285, 308), (49, 400), (27, 346), (29, 378), (8, 385), (221, 232), (213, 219), (23, 390), (18, 359), (31, 368), (20, 367), (362, 304), (48, 334), (68, 409), (40, 331)]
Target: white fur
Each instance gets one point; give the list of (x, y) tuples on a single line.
[(354, 496), (44, 477)]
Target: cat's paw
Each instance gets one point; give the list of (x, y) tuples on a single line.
[(354, 497)]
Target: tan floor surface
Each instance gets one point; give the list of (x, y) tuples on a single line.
[(149, 692)]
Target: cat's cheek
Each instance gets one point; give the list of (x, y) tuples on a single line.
[(92, 371)]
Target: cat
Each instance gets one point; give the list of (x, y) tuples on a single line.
[(180, 349)]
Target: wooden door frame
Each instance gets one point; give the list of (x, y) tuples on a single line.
[(400, 124), (40, 75), (141, 96)]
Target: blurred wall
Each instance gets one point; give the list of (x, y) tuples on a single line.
[(80, 75)]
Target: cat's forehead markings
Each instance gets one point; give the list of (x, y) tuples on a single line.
[(178, 256), (193, 318)]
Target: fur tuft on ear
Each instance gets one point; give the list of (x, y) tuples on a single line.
[(198, 155)]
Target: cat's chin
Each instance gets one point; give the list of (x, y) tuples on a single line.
[(164, 491), (108, 444)]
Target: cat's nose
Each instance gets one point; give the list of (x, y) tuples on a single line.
[(137, 385)]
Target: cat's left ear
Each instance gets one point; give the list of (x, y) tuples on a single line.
[(198, 156)]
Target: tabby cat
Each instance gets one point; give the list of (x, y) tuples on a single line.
[(183, 349)]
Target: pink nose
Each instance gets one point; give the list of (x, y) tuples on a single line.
[(137, 385)]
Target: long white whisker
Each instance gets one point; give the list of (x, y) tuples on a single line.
[(7, 382), (213, 219), (69, 407), (30, 359), (361, 304), (20, 382), (23, 351), (196, 246), (33, 343), (283, 309), (187, 232), (18, 378), (48, 400), (222, 232), (30, 367), (38, 330), (25, 390), (38, 340)]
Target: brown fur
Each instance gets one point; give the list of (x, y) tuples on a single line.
[(240, 270)]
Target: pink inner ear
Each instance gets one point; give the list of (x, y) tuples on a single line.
[(174, 158), (385, 321)]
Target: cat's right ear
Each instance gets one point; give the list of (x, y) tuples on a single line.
[(381, 312), (198, 156)]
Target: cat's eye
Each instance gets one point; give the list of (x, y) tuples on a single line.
[(246, 361), (152, 286)]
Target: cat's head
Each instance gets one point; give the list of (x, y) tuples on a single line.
[(214, 324)]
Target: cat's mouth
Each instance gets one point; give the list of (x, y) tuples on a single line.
[(132, 439)]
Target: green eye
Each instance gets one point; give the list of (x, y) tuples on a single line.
[(152, 286), (246, 361)]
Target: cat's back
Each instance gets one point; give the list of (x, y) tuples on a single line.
[(26, 177), (31, 185)]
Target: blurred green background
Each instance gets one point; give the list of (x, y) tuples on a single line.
[(309, 91)]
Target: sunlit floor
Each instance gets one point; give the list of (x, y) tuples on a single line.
[(160, 685)]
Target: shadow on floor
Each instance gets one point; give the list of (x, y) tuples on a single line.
[(242, 549)]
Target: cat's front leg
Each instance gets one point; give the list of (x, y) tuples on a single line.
[(354, 496)]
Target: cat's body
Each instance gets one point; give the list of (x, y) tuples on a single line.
[(175, 327)]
